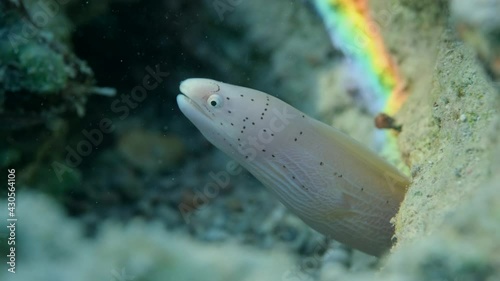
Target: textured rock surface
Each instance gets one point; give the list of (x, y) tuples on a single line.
[(139, 251), (448, 223)]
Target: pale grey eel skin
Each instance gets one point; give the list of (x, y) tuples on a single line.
[(329, 180)]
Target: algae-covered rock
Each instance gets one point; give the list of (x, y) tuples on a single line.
[(39, 69), (42, 82), (136, 251), (447, 227), (35, 57)]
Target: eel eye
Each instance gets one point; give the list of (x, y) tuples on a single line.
[(215, 101)]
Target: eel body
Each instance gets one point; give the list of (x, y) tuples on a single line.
[(329, 180)]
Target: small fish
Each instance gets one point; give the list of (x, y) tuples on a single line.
[(333, 183)]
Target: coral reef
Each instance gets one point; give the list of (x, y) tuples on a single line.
[(36, 61), (136, 251), (42, 82), (154, 200)]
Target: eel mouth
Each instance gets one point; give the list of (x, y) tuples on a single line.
[(193, 96), (192, 110)]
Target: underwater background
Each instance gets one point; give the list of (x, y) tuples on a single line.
[(112, 182)]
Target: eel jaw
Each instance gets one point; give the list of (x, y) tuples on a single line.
[(192, 110)]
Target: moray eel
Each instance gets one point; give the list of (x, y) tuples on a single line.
[(333, 183)]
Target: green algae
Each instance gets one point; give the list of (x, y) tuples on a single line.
[(34, 68)]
